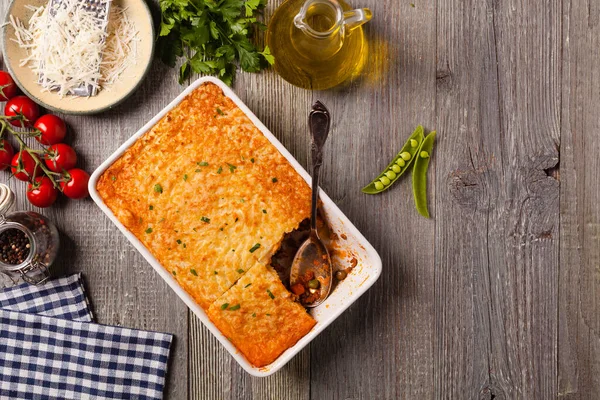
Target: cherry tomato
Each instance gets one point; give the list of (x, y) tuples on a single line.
[(8, 88), (22, 106), (61, 157), (52, 129), (23, 166), (76, 184), (6, 154), (41, 192)]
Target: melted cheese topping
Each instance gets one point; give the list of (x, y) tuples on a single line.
[(206, 193), (258, 316)]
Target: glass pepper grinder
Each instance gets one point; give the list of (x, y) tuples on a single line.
[(28, 242)]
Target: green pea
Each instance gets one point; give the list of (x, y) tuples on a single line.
[(391, 175), (314, 284), (424, 154), (395, 169), (420, 176), (341, 275)]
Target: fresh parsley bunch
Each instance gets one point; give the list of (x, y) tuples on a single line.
[(213, 35)]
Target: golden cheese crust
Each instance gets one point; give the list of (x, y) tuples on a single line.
[(259, 317), (206, 193)]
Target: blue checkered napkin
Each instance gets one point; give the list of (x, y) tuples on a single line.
[(48, 358), (44, 357), (61, 298)]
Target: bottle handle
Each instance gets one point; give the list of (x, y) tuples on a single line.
[(355, 18)]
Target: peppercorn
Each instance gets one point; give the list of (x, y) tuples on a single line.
[(14, 246)]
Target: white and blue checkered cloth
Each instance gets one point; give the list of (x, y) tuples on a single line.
[(49, 349)]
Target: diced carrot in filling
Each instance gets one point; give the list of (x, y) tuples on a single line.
[(298, 289)]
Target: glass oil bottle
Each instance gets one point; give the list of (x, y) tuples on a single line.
[(318, 44)]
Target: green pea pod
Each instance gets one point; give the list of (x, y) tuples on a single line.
[(399, 164), (419, 176)]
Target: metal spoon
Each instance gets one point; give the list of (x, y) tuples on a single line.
[(313, 255)]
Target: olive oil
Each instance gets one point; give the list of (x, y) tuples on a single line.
[(313, 46)]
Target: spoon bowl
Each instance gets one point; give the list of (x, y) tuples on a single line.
[(312, 261)]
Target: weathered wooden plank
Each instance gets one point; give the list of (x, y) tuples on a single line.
[(283, 109), (467, 112), (497, 246), (382, 347), (579, 320), (525, 290), (210, 364), (273, 102), (122, 286)]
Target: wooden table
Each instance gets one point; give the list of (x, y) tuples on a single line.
[(495, 297)]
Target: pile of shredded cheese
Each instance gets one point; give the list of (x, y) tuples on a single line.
[(74, 47)]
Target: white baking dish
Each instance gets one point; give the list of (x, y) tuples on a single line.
[(362, 277)]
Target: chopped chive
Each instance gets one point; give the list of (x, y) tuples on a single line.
[(252, 160), (247, 285), (264, 211), (174, 273), (242, 201), (178, 241), (197, 170), (255, 247), (220, 170), (224, 306), (216, 272), (274, 180), (158, 188), (221, 229), (219, 111), (193, 271), (176, 231), (194, 229), (184, 245), (268, 315), (240, 271), (185, 177), (151, 207), (202, 164), (141, 220), (149, 230), (161, 220), (270, 294), (233, 308), (254, 315), (232, 168), (204, 219), (114, 178)]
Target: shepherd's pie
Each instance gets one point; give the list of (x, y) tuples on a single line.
[(210, 197), (258, 316)]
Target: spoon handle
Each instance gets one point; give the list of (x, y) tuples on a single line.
[(319, 122)]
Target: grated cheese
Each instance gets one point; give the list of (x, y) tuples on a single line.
[(75, 48)]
